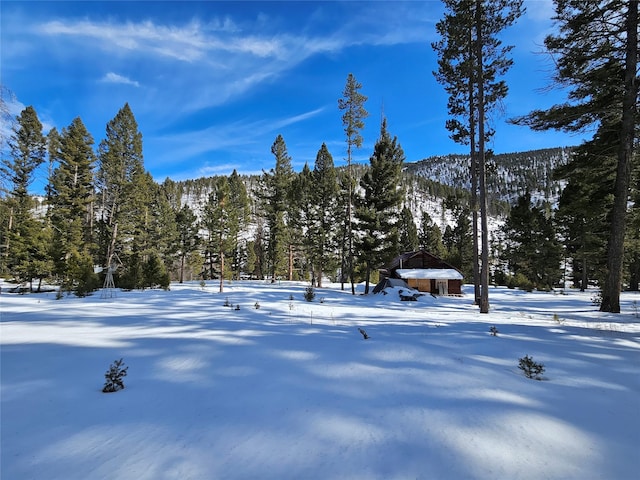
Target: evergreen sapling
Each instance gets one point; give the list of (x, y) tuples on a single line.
[(114, 377)]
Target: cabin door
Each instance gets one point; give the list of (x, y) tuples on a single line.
[(443, 287)]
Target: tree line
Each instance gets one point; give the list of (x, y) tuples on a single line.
[(103, 208)]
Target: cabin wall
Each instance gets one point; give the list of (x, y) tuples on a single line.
[(429, 285), (421, 284)]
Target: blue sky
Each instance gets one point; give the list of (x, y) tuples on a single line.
[(213, 83)]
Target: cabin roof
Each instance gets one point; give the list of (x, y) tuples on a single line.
[(429, 273)]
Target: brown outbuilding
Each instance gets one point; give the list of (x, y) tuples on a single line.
[(425, 272)]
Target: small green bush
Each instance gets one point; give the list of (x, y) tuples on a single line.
[(531, 368), (309, 294)]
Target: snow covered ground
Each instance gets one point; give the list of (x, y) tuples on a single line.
[(291, 390)]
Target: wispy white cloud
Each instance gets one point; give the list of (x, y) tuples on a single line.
[(232, 59), (10, 109), (115, 78), (237, 135)]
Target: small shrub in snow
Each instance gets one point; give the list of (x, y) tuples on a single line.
[(257, 305), (531, 368), (309, 294), (596, 299), (227, 303), (364, 334), (493, 330), (291, 297), (113, 378), (237, 307)]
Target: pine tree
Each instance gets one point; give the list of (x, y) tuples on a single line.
[(71, 201), (276, 196), (242, 212), (154, 272), (582, 216), (532, 249), (408, 240), (377, 210), (120, 158), (325, 210), (221, 223), (632, 248), (471, 58), (23, 247), (302, 222), (430, 236), (460, 251), (352, 103), (188, 239), (596, 55)]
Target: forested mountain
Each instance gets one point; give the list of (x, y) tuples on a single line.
[(438, 185), (509, 175)]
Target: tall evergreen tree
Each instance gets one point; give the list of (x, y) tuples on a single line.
[(120, 158), (276, 196), (632, 249), (460, 244), (242, 212), (532, 249), (352, 104), (323, 235), (71, 201), (20, 240), (222, 222), (582, 216), (595, 52), (378, 209), (188, 239), (471, 58), (430, 236), (302, 222), (159, 232), (408, 232)]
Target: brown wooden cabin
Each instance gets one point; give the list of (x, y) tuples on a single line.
[(425, 272)]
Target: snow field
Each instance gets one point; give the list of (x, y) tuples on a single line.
[(291, 390)]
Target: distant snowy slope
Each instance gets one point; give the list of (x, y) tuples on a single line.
[(509, 175)]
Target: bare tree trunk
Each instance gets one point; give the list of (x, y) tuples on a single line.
[(615, 252), (290, 262), (474, 181), (484, 271), (182, 257), (350, 229), (221, 270)]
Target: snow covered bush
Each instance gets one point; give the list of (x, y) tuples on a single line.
[(530, 368), (113, 378), (493, 330)]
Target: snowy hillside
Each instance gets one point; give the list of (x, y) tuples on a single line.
[(291, 390), (509, 175)]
